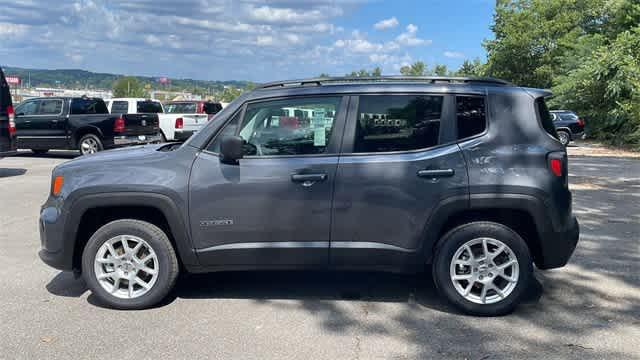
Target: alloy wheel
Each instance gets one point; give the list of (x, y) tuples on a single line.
[(126, 266), (484, 270), (89, 146)]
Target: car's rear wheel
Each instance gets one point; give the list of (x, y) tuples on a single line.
[(483, 268), (90, 144), (129, 264), (564, 137)]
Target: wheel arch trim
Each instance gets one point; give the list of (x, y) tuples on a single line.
[(160, 202)]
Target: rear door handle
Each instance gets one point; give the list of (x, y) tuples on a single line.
[(308, 177), (436, 173)]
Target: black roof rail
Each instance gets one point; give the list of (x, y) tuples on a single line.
[(399, 78)]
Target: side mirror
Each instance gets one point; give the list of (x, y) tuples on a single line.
[(231, 149)]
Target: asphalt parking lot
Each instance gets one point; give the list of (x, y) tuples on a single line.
[(589, 309)]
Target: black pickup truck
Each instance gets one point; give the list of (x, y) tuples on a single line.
[(80, 123)]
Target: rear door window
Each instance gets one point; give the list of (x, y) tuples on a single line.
[(545, 117), (149, 107), (397, 123), (88, 107), (120, 107), (50, 107)]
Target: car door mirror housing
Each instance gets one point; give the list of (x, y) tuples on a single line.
[(231, 149)]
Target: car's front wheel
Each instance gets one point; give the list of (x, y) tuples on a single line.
[(483, 268), (129, 264)]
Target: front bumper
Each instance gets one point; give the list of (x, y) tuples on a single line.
[(182, 135), (136, 140), (53, 250), (559, 246)]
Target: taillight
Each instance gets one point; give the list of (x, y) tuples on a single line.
[(12, 120), (119, 125), (179, 123), (556, 166), (580, 122)]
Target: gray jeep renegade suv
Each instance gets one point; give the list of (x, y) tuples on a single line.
[(465, 175)]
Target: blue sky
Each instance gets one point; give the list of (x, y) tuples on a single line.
[(256, 40)]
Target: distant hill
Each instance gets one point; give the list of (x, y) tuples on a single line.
[(74, 78)]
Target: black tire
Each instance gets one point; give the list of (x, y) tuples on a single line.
[(90, 139), (454, 239), (167, 263), (564, 137), (40, 151)]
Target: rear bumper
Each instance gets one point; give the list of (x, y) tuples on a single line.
[(182, 135), (559, 246), (136, 140)]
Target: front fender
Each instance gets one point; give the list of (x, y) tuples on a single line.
[(163, 203)]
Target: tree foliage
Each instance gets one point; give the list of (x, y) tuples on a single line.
[(128, 86), (586, 51)]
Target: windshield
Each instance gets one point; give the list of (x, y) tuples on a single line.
[(181, 108)]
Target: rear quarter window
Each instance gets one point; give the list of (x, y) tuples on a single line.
[(470, 115), (545, 117)]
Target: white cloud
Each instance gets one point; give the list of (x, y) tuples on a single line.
[(264, 40), (454, 54), (270, 14), (9, 29), (386, 24), (409, 37), (246, 39), (152, 40)]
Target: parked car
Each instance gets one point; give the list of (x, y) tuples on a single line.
[(80, 123), (569, 126), (193, 107), (478, 195), (7, 120), (188, 117), (175, 125)]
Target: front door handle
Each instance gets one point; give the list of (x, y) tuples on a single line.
[(303, 178), (436, 173)]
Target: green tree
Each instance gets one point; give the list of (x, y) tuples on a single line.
[(376, 71), (128, 86), (582, 49), (440, 70), (472, 68), (416, 69), (230, 93)]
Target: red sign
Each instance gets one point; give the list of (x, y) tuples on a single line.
[(13, 80)]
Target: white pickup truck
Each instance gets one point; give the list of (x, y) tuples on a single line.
[(175, 125)]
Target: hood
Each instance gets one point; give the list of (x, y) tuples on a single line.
[(118, 156)]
